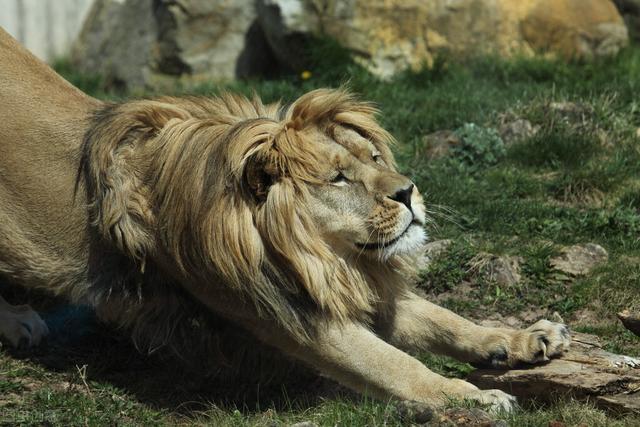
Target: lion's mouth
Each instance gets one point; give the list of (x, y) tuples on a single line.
[(387, 243)]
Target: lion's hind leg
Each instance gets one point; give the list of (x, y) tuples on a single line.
[(20, 325)]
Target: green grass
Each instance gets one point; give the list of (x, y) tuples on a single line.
[(575, 181)]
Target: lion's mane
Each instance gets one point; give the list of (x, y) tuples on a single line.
[(216, 189)]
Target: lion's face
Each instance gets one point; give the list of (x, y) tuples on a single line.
[(364, 206)]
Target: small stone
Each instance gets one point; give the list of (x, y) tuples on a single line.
[(437, 247), (556, 317), (571, 111), (630, 320), (517, 130), (532, 315), (579, 260), (431, 251), (439, 143), (304, 424), (504, 270), (566, 107)]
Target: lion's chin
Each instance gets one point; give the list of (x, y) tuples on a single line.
[(410, 243)]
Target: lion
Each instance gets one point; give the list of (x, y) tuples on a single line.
[(180, 219)]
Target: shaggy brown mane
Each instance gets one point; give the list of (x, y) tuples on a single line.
[(219, 186)]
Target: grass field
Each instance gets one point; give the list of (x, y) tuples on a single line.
[(576, 180)]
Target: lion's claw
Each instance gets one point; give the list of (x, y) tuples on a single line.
[(554, 338), (497, 400), (541, 341)]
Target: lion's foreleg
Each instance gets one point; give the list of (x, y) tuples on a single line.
[(419, 325), (20, 325), (357, 358)]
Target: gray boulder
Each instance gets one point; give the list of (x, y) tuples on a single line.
[(116, 41), (136, 44)]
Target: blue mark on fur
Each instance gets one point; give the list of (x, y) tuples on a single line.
[(69, 324)]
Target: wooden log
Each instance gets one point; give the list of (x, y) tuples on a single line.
[(631, 321), (586, 372)]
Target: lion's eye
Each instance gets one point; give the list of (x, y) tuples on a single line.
[(378, 159), (339, 179)]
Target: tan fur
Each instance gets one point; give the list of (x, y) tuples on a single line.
[(182, 219)]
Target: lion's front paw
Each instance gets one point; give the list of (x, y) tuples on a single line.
[(496, 400), (22, 326), (539, 342)]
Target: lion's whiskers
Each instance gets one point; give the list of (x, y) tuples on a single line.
[(362, 249)]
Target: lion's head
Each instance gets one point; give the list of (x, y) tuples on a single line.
[(300, 210), (362, 206)]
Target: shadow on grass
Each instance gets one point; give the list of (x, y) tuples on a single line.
[(91, 352)]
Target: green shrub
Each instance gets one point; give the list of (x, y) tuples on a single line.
[(479, 147)]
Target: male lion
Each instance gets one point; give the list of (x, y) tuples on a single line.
[(176, 215)]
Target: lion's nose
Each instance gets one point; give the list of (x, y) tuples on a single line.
[(403, 196)]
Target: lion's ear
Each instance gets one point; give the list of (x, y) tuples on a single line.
[(259, 177), (116, 171), (263, 163)]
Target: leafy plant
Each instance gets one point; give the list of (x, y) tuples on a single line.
[(479, 147)]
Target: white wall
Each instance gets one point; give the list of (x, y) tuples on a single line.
[(46, 27)]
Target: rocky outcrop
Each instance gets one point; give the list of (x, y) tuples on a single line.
[(139, 43), (203, 37), (390, 35), (118, 41), (574, 28)]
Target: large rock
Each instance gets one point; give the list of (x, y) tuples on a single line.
[(138, 43), (391, 35), (117, 41), (586, 373)]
